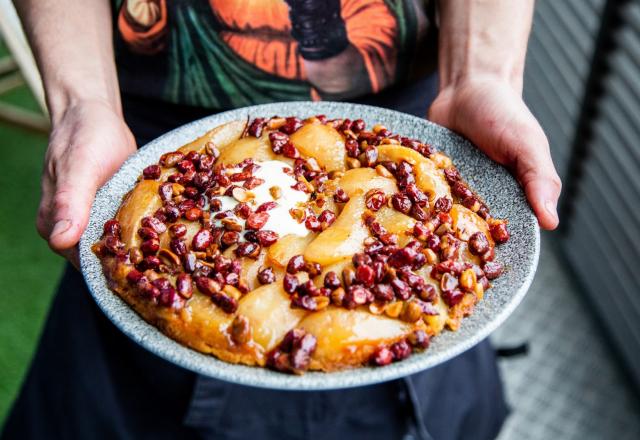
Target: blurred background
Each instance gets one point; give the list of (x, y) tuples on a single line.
[(578, 376)]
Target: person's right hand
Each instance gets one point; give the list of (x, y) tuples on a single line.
[(88, 143)]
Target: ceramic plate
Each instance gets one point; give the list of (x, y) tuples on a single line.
[(491, 181)]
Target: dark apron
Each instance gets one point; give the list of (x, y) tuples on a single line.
[(89, 381)]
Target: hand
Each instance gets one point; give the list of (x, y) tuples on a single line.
[(491, 114), (318, 28), (88, 144)]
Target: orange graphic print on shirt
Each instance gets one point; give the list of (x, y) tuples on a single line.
[(293, 49)]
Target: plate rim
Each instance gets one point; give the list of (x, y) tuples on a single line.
[(153, 340)]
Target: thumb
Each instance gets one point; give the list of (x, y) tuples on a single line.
[(70, 208), (543, 191), (536, 173)]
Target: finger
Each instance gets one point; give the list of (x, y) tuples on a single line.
[(72, 255), (536, 173), (47, 189), (543, 191), (70, 207), (43, 218)]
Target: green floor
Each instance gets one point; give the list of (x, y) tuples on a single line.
[(29, 271)]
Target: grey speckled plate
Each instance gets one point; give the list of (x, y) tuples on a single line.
[(498, 188)]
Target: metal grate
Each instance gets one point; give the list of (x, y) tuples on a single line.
[(582, 81), (601, 238), (560, 52)]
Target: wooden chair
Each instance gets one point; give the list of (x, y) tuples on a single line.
[(19, 68)]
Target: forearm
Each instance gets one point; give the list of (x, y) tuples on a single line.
[(338, 74), (483, 38), (72, 44)]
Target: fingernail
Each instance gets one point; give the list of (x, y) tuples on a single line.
[(551, 209), (60, 227)]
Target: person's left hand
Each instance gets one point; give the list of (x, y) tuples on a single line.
[(492, 115)]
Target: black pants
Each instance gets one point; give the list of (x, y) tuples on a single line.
[(89, 381)]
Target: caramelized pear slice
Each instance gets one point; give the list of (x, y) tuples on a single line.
[(343, 238), (208, 322), (221, 137), (429, 177), (250, 267), (326, 203), (466, 223), (348, 337), (286, 247), (435, 323), (192, 228), (142, 201), (258, 149), (395, 221), (336, 267), (322, 142), (268, 309), (364, 179)]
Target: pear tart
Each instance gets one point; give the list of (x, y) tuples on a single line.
[(302, 244)]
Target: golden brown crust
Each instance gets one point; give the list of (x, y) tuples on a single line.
[(221, 137)]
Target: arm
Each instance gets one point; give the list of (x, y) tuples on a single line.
[(482, 51), (72, 44)]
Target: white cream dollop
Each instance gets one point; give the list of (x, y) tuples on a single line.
[(280, 219)]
